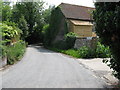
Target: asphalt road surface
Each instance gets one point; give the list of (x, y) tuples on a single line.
[(42, 68)]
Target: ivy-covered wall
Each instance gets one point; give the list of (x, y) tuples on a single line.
[(57, 29)]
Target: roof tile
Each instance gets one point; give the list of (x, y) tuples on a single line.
[(76, 12)]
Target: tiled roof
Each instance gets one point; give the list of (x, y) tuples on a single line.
[(76, 12)]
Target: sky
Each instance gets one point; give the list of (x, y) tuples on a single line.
[(88, 3)]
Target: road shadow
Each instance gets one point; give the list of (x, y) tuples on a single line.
[(41, 48)]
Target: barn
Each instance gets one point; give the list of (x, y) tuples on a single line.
[(79, 20)]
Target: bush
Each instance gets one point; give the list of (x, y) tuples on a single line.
[(102, 51), (84, 52), (15, 52), (10, 33), (54, 49), (45, 28), (54, 26), (60, 45), (45, 34), (2, 51), (70, 40), (11, 46), (67, 43), (71, 52)]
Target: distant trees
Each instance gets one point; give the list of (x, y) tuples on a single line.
[(107, 19), (24, 27), (47, 14), (30, 17), (30, 14), (53, 29), (6, 11)]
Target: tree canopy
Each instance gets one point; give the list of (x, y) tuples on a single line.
[(107, 26), (30, 13)]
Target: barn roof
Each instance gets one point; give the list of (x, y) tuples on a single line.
[(76, 12)]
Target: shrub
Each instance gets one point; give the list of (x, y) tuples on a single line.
[(2, 50), (102, 51), (45, 33), (55, 25), (86, 52), (15, 52), (54, 49), (70, 40), (71, 52), (83, 52), (45, 28), (67, 43), (60, 45), (22, 24), (9, 23), (11, 46), (10, 33)]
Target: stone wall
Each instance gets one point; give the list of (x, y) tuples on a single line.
[(90, 42), (3, 62)]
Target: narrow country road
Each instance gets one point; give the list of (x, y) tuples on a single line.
[(41, 68)]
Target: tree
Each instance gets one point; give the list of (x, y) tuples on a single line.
[(6, 11), (107, 19), (32, 12), (47, 14), (53, 29), (0, 10), (23, 26)]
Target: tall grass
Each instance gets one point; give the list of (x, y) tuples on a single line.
[(15, 52)]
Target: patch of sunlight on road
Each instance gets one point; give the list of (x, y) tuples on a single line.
[(0, 80)]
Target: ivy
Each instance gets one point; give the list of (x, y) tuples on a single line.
[(54, 27), (107, 19)]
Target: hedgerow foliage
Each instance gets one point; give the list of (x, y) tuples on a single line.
[(11, 46), (10, 33), (70, 40), (53, 29), (67, 43), (107, 19)]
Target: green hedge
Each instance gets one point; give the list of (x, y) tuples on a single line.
[(85, 52), (54, 26), (11, 46), (70, 40), (100, 51), (67, 43)]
